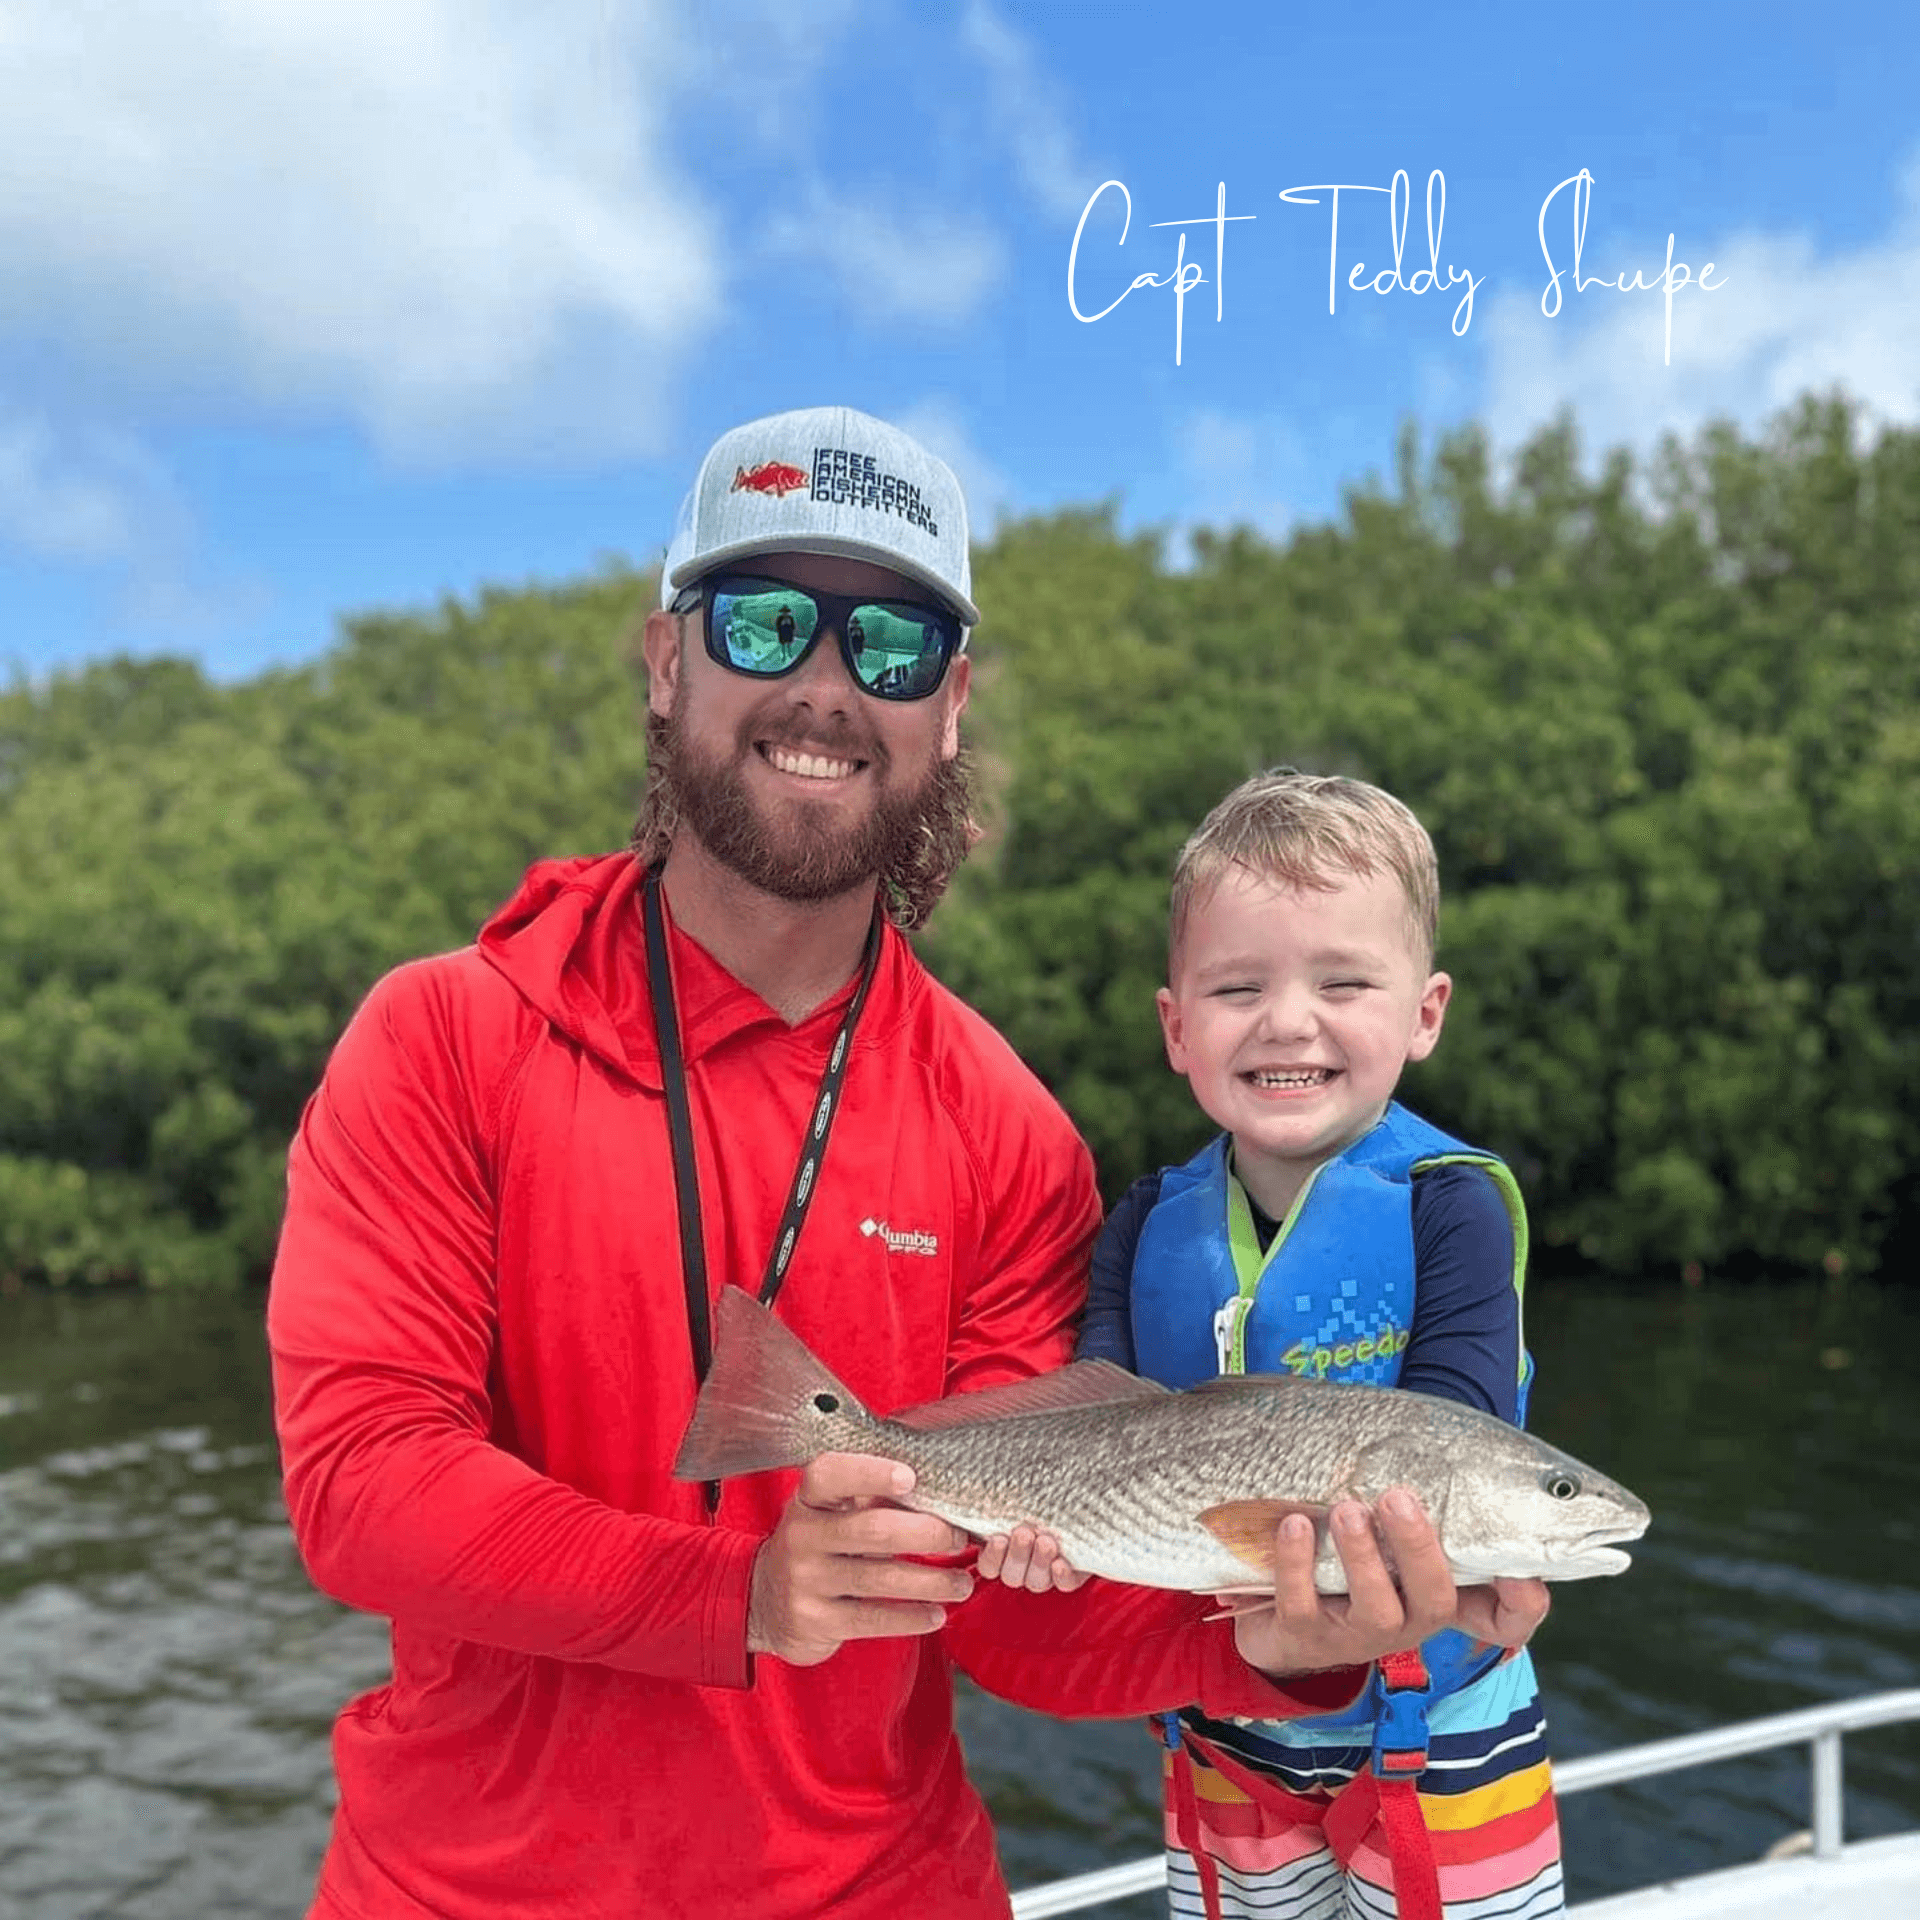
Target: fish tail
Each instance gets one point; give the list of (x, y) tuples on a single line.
[(760, 1406)]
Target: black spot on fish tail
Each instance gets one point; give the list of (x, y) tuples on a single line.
[(762, 1400)]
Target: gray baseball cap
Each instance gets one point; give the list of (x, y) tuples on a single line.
[(824, 480)]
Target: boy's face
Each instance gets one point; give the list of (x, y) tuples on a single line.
[(1292, 1012)]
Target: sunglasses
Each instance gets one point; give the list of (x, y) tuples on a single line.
[(894, 649)]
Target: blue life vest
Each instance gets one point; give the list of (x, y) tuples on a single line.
[(1330, 1299)]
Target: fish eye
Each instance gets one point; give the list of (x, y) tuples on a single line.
[(1562, 1485), (826, 1403)]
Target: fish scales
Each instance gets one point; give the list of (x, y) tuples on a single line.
[(1122, 1488), (1179, 1490)]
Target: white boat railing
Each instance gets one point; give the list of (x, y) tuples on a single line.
[(1821, 1727)]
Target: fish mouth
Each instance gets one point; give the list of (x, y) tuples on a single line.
[(1587, 1556), (1596, 1553), (1588, 1563), (1573, 1562)]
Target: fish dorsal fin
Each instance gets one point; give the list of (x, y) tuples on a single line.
[(1231, 1383), (1087, 1383)]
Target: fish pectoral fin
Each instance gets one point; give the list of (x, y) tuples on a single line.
[(1234, 1603), (1086, 1383), (1239, 1609), (1246, 1527)]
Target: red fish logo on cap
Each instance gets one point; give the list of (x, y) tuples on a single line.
[(771, 476)]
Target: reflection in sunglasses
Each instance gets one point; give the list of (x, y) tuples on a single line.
[(894, 649)]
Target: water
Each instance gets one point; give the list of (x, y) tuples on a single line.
[(167, 1677)]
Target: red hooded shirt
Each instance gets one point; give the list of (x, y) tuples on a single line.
[(482, 1374)]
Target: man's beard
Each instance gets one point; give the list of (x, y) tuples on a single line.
[(911, 840)]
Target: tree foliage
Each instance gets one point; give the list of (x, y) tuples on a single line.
[(198, 884), (1663, 723), (1663, 727)]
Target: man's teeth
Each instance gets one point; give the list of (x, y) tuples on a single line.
[(1303, 1077), (809, 766)]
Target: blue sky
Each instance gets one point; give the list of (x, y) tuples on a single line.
[(313, 306)]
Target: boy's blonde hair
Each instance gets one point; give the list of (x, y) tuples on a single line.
[(1296, 829)]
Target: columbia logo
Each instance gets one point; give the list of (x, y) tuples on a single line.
[(911, 1241)]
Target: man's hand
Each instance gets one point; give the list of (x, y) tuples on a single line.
[(830, 1571), (1306, 1630)]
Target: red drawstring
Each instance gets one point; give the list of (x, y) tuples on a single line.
[(1416, 1874), (1186, 1813), (1345, 1820)]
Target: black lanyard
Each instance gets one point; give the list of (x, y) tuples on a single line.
[(686, 1173)]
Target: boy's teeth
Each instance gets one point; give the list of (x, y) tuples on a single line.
[(1304, 1077)]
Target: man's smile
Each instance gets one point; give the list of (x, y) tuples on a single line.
[(804, 765)]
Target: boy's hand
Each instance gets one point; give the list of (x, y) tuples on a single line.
[(1306, 1630), (1029, 1558)]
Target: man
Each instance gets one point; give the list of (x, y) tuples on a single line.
[(528, 1168)]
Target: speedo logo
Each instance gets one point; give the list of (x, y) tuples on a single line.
[(1315, 1362), (911, 1240)]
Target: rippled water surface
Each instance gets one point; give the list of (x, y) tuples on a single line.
[(167, 1676)]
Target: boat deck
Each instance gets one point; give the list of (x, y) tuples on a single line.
[(1871, 1880)]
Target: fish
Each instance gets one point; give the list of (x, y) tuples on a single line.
[(771, 476), (1163, 1488)]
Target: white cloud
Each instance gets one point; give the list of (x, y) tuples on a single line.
[(184, 607), (94, 497), (857, 167), (91, 496), (764, 69), (1785, 319), (930, 268), (1028, 113), (1235, 470), (443, 216), (779, 87)]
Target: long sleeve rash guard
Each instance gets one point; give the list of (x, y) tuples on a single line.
[(482, 1372)]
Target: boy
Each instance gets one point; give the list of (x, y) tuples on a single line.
[(1327, 1232)]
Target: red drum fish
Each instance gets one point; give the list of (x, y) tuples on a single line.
[(1166, 1489)]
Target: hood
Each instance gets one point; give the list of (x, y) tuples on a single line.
[(570, 941)]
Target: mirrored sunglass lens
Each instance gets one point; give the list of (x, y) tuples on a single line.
[(765, 629), (898, 650)]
